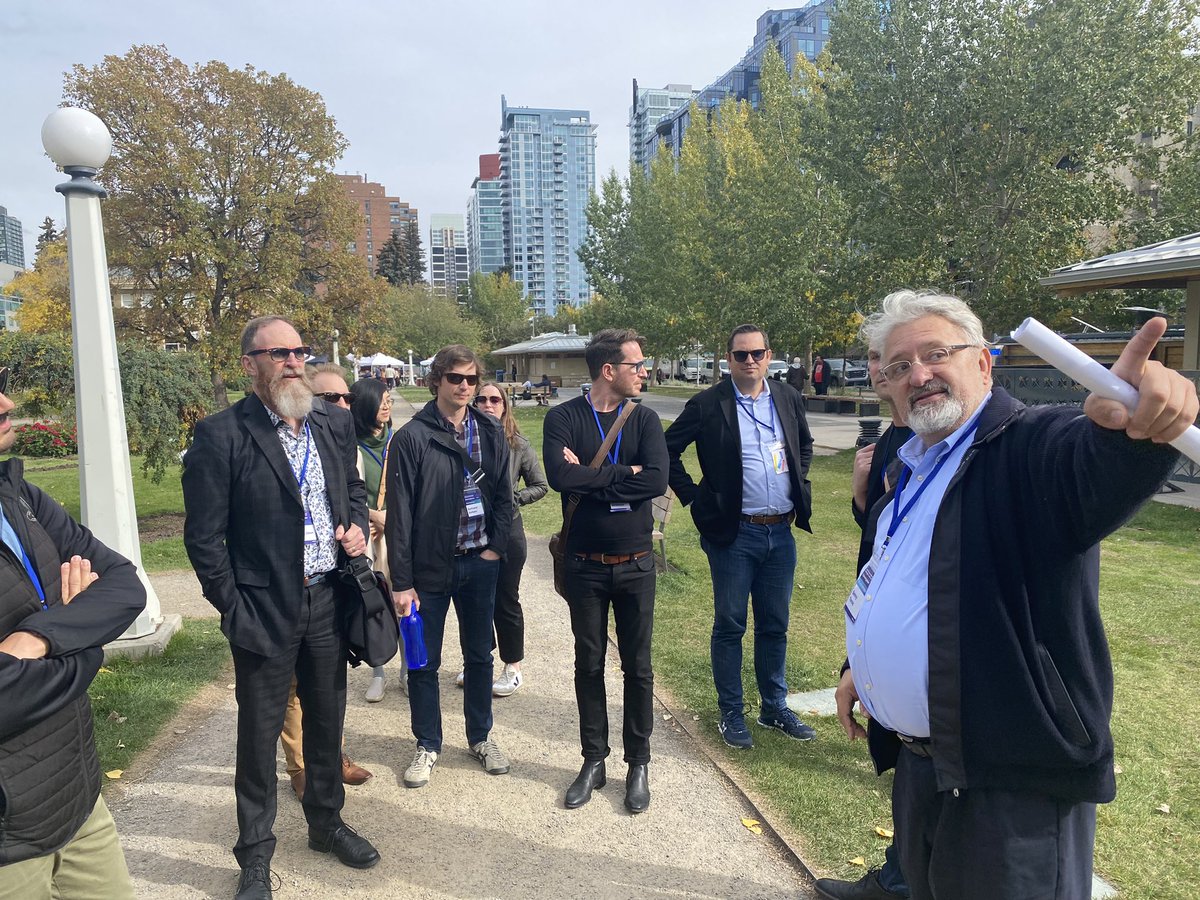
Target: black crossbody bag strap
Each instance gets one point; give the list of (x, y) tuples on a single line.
[(574, 499), (476, 469)]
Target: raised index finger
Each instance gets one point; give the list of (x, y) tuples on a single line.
[(1133, 358)]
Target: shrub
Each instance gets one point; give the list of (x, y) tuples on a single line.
[(45, 439)]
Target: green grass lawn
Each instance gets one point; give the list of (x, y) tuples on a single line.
[(826, 792)]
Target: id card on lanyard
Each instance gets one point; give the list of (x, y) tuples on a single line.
[(613, 454), (472, 495), (310, 529), (776, 447)]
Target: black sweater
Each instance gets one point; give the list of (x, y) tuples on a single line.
[(595, 529)]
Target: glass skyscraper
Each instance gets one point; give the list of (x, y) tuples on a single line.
[(651, 106), (547, 173), (12, 245), (447, 253), (485, 218)]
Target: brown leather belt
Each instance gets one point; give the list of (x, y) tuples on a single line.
[(310, 580), (922, 747), (612, 559), (769, 520)]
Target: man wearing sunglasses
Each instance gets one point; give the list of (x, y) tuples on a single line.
[(58, 838), (754, 447), (449, 511), (273, 497)]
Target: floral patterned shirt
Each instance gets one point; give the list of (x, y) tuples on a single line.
[(320, 556)]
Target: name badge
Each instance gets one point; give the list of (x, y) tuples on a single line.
[(619, 507), (473, 500), (858, 596), (778, 457), (310, 530)]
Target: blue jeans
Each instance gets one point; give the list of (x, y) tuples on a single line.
[(759, 565), (890, 877), (474, 596)]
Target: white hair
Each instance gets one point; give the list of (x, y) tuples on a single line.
[(905, 306)]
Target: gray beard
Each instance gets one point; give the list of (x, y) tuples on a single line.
[(291, 398), (932, 418)]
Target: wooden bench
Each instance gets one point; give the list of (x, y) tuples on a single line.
[(661, 514)]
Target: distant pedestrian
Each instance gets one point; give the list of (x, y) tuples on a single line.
[(822, 374), (797, 374), (514, 372)]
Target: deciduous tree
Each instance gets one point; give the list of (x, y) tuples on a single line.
[(45, 291)]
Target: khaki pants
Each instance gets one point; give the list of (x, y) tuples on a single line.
[(292, 736), (90, 867)]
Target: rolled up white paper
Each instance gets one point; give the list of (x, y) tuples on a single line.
[(1072, 361)]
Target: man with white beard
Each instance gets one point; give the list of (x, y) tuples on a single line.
[(973, 634), (272, 492)]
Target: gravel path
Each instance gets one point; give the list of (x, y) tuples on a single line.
[(466, 834)]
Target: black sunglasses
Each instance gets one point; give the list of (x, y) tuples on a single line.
[(334, 396), (743, 355), (459, 378), (486, 400), (5, 371), (280, 354)]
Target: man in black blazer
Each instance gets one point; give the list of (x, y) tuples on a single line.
[(273, 496), (755, 448)]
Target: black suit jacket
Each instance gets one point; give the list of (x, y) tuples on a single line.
[(710, 419), (244, 525)]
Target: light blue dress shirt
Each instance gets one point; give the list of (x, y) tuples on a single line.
[(888, 644), (764, 491)]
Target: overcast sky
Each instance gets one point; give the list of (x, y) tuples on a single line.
[(414, 87)]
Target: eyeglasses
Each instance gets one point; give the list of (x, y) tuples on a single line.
[(640, 364), (280, 354), (334, 396), (483, 400), (743, 355), (929, 359), (459, 378), (5, 371)]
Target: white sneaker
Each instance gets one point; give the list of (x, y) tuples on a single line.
[(458, 679), (491, 757), (375, 689), (417, 774), (510, 679)]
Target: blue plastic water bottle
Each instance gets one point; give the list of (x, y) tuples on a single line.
[(412, 629)]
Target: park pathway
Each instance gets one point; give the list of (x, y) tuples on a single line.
[(466, 834)]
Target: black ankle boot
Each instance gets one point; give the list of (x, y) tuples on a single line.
[(637, 789), (590, 777)]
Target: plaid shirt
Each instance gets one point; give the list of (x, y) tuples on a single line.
[(471, 532)]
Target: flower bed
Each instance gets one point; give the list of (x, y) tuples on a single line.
[(45, 439)]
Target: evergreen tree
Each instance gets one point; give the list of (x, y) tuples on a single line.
[(414, 255), (49, 234), (392, 260)]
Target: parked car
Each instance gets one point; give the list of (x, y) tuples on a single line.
[(777, 369), (844, 372), (697, 368)]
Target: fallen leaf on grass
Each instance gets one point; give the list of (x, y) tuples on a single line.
[(1164, 808), (114, 774), (858, 861), (115, 716), (753, 825), (104, 670), (1117, 770), (884, 832), (120, 745)]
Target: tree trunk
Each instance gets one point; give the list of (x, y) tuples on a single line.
[(220, 395)]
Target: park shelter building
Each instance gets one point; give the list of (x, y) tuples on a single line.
[(547, 174), (381, 215), (485, 218), (555, 353), (448, 270), (801, 31)]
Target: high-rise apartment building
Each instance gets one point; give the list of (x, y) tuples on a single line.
[(547, 173), (12, 244), (485, 218), (381, 215), (651, 106), (802, 31), (448, 269)]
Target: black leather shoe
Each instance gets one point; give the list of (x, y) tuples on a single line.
[(637, 789), (346, 844), (866, 888), (255, 883), (590, 777)]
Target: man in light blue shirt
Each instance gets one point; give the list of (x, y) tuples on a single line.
[(754, 448)]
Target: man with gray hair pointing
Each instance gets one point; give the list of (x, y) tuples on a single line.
[(973, 634)]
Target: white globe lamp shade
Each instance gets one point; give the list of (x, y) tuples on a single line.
[(76, 137)]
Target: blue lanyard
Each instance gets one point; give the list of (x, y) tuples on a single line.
[(469, 427), (899, 514), (302, 478), (375, 456), (749, 410), (33, 576), (615, 453)]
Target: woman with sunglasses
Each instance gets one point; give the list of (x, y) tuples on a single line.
[(522, 463), (371, 409)]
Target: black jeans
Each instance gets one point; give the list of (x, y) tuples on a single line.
[(989, 844), (629, 589), (510, 619), (317, 656), (474, 593)]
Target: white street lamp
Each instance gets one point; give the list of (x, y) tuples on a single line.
[(411, 380), (337, 359), (80, 143)]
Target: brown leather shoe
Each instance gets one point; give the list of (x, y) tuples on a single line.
[(298, 784), (353, 773)]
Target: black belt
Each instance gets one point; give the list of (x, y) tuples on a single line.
[(469, 551), (310, 580), (922, 747), (763, 519)]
